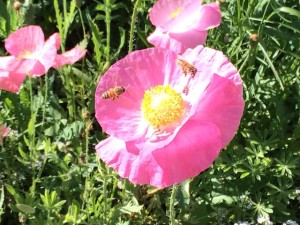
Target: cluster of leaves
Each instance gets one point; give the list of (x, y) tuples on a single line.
[(50, 173)]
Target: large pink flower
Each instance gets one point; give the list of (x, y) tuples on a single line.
[(182, 24), (167, 127)]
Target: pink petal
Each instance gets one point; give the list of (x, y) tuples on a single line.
[(3, 132), (222, 104), (162, 10), (194, 16), (46, 55), (185, 20), (11, 81), (30, 38), (136, 72), (70, 57), (177, 42), (222, 101), (210, 17), (181, 159), (18, 66)]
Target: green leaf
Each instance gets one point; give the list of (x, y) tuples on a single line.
[(25, 208), (290, 11), (130, 208)]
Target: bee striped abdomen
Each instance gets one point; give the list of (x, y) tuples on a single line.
[(113, 93), (186, 67)]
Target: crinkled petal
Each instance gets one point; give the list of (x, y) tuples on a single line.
[(26, 39), (10, 81), (136, 72), (69, 57), (181, 159)]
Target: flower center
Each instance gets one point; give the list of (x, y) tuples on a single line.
[(24, 54), (162, 105), (175, 13)]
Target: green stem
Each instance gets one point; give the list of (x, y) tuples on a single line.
[(172, 204), (107, 22), (132, 25), (82, 24), (32, 137), (45, 99)]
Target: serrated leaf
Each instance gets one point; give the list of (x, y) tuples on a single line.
[(129, 208)]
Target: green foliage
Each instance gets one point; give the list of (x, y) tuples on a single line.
[(50, 173)]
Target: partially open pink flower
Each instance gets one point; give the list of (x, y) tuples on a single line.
[(167, 127), (28, 43), (4, 130), (32, 55), (182, 24)]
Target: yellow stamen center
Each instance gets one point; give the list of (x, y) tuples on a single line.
[(175, 13), (162, 105), (24, 54)]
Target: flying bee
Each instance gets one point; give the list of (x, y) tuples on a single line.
[(113, 93), (186, 67)]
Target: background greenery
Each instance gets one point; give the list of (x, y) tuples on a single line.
[(50, 173)]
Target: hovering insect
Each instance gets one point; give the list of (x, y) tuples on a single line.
[(185, 90), (113, 93), (186, 67)]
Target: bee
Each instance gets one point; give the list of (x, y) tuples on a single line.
[(113, 92), (186, 67), (185, 90)]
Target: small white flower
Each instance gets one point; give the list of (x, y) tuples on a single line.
[(290, 222)]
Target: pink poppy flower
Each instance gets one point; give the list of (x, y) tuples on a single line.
[(32, 55), (182, 24), (28, 43), (3, 132), (167, 127)]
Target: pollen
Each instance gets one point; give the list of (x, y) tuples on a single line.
[(175, 13), (25, 54), (162, 106)]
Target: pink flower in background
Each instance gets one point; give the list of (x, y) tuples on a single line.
[(182, 24), (158, 134), (32, 55), (28, 43), (3, 132)]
